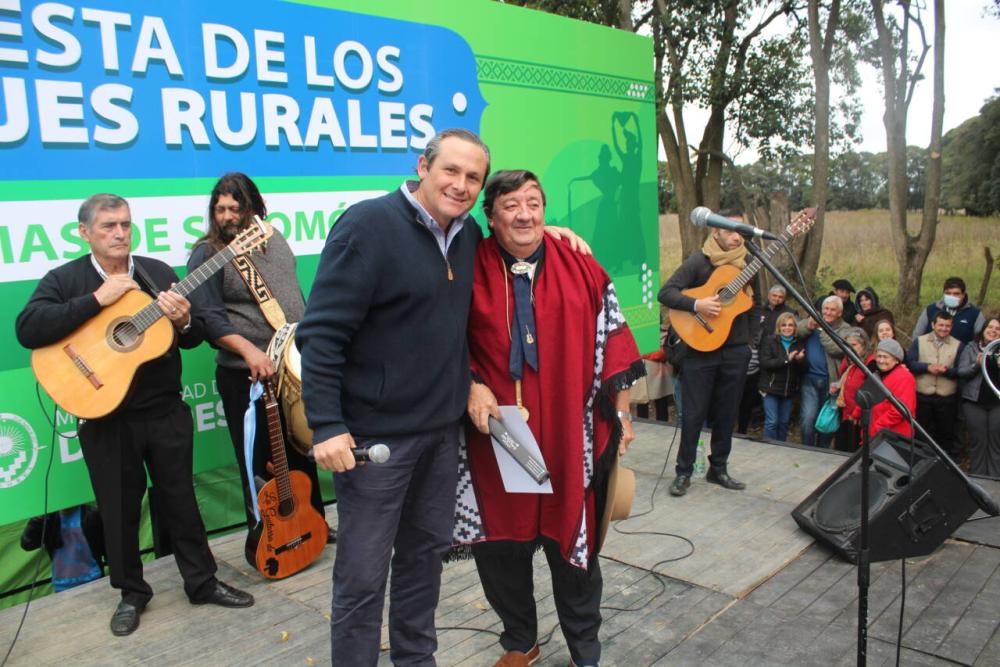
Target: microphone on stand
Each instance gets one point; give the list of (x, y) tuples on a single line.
[(702, 216)]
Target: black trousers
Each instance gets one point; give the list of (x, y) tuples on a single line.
[(234, 388), (939, 414), (751, 402), (508, 581), (118, 451), (712, 382)]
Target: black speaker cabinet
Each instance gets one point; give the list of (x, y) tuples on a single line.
[(915, 502)]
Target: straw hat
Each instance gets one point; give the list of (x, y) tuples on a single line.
[(621, 491)]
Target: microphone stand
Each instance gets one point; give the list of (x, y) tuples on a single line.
[(982, 498), (865, 402)]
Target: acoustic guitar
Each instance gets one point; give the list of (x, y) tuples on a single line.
[(89, 372), (291, 534), (706, 333)]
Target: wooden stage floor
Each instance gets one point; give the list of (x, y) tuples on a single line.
[(744, 587)]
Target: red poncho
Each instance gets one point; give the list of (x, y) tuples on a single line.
[(586, 355)]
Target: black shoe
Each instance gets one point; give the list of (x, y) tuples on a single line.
[(331, 535), (125, 620), (225, 595), (680, 485), (724, 480)]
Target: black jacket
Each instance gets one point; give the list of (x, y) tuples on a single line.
[(383, 339), (694, 272), (64, 300), (777, 375)]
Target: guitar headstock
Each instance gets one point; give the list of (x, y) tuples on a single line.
[(252, 237), (802, 222), (270, 396)]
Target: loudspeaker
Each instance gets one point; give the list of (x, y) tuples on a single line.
[(915, 502)]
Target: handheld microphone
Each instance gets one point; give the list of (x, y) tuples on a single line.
[(702, 216), (375, 454)]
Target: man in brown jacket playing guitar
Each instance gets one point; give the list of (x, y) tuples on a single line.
[(152, 429), (712, 382)]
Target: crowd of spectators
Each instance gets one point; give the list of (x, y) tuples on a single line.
[(797, 367)]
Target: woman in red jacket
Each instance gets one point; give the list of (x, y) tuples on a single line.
[(851, 379), (897, 379)]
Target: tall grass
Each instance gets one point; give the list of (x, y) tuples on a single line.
[(857, 245)]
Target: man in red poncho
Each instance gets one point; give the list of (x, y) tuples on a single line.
[(546, 333)]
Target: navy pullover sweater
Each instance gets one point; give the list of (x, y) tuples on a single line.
[(383, 338)]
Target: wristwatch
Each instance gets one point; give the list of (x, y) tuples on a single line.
[(627, 416)]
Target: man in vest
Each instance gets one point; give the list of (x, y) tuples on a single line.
[(932, 359)]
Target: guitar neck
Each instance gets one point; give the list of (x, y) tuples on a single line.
[(148, 316), (277, 438), (752, 267)]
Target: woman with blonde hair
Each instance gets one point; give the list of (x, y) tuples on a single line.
[(781, 355)]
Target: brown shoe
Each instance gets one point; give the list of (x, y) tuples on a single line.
[(519, 659)]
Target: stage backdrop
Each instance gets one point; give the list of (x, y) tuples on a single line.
[(324, 104)]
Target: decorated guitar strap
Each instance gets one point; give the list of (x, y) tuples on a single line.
[(255, 282)]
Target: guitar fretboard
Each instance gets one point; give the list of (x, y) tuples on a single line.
[(148, 316), (752, 267), (277, 438)]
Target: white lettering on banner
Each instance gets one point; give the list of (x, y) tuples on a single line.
[(209, 416), (36, 236), (66, 455)]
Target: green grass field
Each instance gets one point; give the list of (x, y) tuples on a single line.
[(857, 245)]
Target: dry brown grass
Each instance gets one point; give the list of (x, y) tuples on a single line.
[(858, 245)]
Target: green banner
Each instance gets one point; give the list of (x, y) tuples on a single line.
[(324, 104)]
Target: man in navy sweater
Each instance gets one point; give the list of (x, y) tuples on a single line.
[(385, 360)]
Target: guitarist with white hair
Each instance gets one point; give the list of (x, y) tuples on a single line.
[(712, 382), (152, 428)]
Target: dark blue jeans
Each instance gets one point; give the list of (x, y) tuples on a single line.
[(396, 514), (814, 391), (777, 415)]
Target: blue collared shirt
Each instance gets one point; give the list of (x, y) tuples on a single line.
[(444, 240)]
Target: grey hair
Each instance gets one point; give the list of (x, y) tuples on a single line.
[(99, 202), (777, 289), (857, 332), (831, 298), (433, 148)]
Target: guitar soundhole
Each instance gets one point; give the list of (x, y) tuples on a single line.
[(286, 507), (124, 335)]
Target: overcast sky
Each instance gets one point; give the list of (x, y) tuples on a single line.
[(972, 72)]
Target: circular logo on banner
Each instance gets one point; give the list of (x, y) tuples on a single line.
[(18, 450)]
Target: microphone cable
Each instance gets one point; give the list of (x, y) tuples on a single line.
[(45, 511), (651, 570)]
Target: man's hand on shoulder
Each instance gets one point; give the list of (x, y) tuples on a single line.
[(113, 288), (335, 453), (566, 234)]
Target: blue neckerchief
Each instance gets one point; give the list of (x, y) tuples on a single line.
[(786, 341), (524, 339), (249, 435)]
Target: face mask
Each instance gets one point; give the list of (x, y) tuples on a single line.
[(951, 301)]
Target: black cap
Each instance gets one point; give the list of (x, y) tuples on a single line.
[(843, 283)]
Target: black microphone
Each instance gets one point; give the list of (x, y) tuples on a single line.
[(375, 454), (702, 216)]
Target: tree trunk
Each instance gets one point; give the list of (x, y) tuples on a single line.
[(911, 251), (984, 286), (820, 49), (674, 139)]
